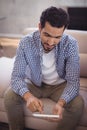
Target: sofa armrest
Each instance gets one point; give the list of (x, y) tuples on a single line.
[(83, 65)]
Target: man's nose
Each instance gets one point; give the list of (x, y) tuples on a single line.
[(51, 41)]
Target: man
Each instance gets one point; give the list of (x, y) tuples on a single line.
[(46, 65)]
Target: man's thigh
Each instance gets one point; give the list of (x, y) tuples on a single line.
[(47, 91), (35, 90), (57, 91)]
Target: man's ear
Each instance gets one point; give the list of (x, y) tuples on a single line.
[(39, 26)]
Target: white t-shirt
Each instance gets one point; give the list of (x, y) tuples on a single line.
[(49, 72)]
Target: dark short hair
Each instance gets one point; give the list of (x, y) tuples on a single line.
[(57, 17)]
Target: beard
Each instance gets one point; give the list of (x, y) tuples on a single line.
[(47, 48)]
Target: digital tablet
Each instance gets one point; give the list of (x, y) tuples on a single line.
[(45, 115)]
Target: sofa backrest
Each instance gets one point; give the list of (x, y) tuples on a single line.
[(81, 37)]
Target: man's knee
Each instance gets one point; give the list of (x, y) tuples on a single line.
[(78, 102), (77, 105), (9, 95), (11, 98)]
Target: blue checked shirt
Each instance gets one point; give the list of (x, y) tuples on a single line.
[(28, 63)]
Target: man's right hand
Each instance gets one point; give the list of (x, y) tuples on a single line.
[(33, 103)]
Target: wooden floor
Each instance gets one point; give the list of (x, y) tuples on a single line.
[(4, 126)]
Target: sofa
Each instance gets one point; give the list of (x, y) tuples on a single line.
[(8, 45)]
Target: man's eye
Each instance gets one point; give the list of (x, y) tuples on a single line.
[(47, 35), (57, 37)]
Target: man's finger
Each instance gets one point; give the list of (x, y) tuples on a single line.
[(39, 107)]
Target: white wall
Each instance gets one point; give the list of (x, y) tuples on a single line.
[(15, 15)]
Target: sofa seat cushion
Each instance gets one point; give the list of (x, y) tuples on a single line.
[(2, 107), (83, 93), (48, 106)]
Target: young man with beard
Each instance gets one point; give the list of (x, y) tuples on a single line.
[(46, 65)]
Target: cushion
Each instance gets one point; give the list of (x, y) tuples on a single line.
[(8, 46), (6, 66), (83, 93)]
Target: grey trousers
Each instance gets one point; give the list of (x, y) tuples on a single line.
[(14, 106)]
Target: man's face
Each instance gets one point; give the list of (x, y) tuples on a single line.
[(50, 36)]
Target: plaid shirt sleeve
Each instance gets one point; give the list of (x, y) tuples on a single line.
[(18, 83), (72, 69)]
